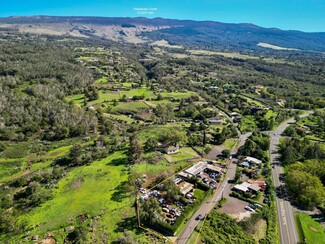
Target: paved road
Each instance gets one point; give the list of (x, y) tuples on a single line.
[(287, 227), (223, 189)]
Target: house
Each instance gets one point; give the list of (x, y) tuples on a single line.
[(253, 161), (254, 188), (259, 182), (185, 187), (172, 149), (244, 187)]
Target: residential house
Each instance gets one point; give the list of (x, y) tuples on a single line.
[(172, 149)]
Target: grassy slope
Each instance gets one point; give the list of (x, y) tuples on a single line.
[(85, 190)]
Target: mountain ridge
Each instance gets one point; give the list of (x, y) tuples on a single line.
[(193, 33)]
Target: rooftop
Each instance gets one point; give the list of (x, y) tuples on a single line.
[(185, 187), (253, 160), (196, 168)]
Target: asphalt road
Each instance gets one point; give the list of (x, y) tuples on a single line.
[(223, 189), (287, 226)]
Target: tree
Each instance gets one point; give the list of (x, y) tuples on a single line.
[(225, 153), (149, 212), (75, 154), (172, 189), (306, 189), (150, 144), (173, 137), (135, 151), (133, 183), (290, 131), (126, 238)]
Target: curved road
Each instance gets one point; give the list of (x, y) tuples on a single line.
[(287, 226)]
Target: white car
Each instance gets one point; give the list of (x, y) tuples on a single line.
[(249, 209)]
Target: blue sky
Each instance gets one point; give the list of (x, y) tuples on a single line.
[(305, 15)]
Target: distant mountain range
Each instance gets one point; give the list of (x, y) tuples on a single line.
[(202, 34)]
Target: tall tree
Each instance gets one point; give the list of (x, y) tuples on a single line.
[(135, 152)]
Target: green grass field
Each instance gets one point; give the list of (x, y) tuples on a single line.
[(177, 94), (229, 143), (248, 123), (183, 154), (129, 106), (101, 80), (253, 101), (78, 99), (310, 229), (153, 131), (10, 168), (121, 117), (94, 189)]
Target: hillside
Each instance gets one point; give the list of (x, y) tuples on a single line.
[(195, 34)]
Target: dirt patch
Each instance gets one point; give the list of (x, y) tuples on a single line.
[(241, 216), (76, 183), (235, 208), (49, 239), (215, 151)]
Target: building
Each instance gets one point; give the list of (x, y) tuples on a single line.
[(185, 187), (214, 169), (196, 168), (259, 182), (172, 149), (244, 187), (254, 188), (253, 161)]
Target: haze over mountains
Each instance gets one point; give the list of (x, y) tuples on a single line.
[(202, 34)]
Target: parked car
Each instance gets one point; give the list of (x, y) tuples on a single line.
[(199, 217), (166, 210), (252, 206), (266, 200), (249, 208), (258, 205)]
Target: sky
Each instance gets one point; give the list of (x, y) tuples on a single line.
[(304, 15)]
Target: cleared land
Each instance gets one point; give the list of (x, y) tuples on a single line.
[(267, 45)]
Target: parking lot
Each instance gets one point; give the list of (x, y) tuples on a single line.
[(209, 178), (235, 208)]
